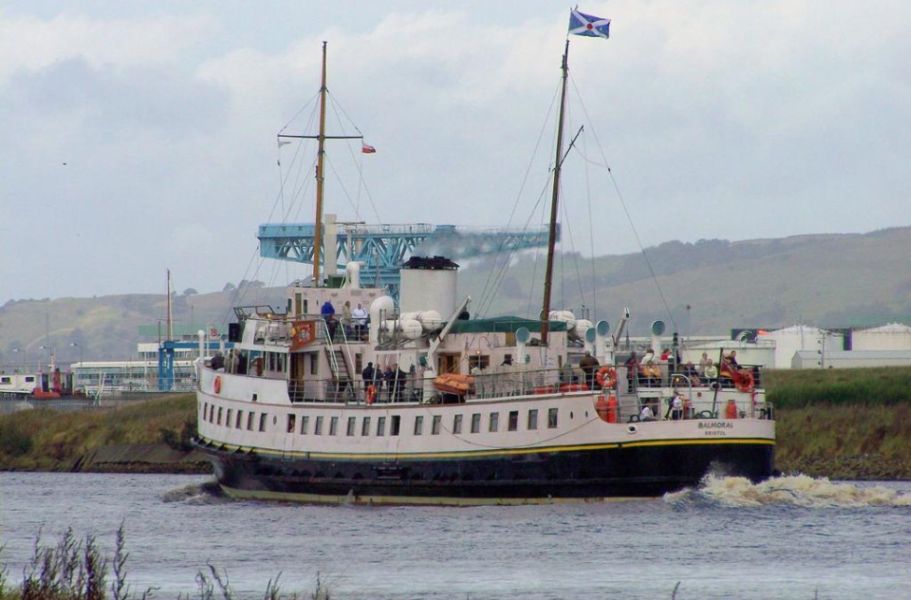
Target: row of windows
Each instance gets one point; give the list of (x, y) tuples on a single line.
[(235, 419)]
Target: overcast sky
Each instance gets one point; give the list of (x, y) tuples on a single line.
[(140, 136)]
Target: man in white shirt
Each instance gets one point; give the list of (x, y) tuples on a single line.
[(359, 316), (646, 413)]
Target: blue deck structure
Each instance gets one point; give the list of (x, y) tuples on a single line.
[(382, 249)]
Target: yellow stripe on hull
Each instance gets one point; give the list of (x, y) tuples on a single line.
[(494, 453)]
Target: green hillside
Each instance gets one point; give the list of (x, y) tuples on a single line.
[(826, 280)]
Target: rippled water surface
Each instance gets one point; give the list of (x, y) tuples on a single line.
[(792, 537)]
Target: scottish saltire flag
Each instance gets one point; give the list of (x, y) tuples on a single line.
[(582, 24)]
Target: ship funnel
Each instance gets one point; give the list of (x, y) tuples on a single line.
[(428, 284)]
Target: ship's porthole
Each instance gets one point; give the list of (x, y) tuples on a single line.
[(632, 429)]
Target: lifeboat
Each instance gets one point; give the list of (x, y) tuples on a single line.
[(454, 383)]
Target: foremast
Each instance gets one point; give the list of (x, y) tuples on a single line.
[(320, 138)]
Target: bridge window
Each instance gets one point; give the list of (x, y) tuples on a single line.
[(552, 418), (457, 424), (481, 361), (476, 423), (305, 424), (513, 420), (532, 419)]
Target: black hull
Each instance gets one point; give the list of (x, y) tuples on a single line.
[(644, 471)]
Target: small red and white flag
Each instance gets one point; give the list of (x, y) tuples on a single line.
[(367, 149)]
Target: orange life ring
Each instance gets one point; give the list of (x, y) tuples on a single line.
[(217, 384), (606, 377), (371, 393), (743, 380)]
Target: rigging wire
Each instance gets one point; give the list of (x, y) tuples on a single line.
[(591, 235), (362, 183), (629, 217), (490, 287)]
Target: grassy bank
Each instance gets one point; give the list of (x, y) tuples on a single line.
[(838, 423), (48, 440)]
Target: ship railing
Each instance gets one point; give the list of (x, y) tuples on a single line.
[(681, 375)]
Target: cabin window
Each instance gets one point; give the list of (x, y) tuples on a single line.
[(240, 420), (381, 426), (314, 364), (494, 422), (457, 424), (305, 424), (476, 423), (552, 418), (6, 379), (318, 426), (532, 419), (333, 425), (205, 406), (513, 420), (262, 421), (297, 303), (358, 362), (351, 423), (365, 426), (478, 361), (306, 307), (250, 420), (228, 418), (292, 423), (418, 425), (219, 416), (29, 378), (435, 427), (395, 425)]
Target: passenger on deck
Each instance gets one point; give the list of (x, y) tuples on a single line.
[(676, 406), (665, 355), (648, 358), (389, 382), (359, 315), (399, 379), (646, 413), (589, 364), (632, 370), (346, 317), (710, 371), (327, 310), (368, 375), (704, 362), (241, 364), (648, 368), (218, 362)]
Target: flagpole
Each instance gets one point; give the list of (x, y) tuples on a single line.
[(555, 198)]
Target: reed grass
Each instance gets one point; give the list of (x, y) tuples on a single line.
[(887, 386)]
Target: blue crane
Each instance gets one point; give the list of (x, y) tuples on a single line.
[(382, 249)]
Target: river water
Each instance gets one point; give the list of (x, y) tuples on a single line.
[(791, 537)]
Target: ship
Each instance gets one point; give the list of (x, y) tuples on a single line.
[(350, 395)]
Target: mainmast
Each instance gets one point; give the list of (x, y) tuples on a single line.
[(552, 237), (320, 156)]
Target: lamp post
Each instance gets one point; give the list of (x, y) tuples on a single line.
[(78, 345)]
